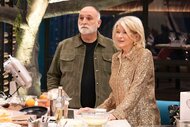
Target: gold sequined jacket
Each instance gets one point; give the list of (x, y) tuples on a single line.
[(133, 88)]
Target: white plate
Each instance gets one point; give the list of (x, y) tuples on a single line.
[(9, 125)]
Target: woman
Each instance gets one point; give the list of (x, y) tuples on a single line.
[(132, 79)]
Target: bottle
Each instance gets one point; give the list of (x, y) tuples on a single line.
[(66, 104), (59, 104), (52, 106)]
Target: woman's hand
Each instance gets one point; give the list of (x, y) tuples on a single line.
[(86, 109), (111, 117)]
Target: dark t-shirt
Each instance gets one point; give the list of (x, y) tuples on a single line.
[(88, 94)]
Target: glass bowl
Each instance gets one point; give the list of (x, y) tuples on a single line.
[(95, 119)]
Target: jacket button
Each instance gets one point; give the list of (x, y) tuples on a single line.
[(97, 70), (97, 83)]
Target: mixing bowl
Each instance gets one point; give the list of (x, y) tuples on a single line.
[(94, 119)]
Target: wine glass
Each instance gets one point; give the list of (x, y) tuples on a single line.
[(150, 39), (183, 38), (172, 37)]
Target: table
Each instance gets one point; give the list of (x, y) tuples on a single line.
[(113, 123), (79, 123), (174, 46), (184, 47), (71, 122), (166, 50)]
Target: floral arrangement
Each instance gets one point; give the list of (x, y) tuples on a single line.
[(173, 112)]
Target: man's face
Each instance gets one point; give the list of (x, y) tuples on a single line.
[(88, 21)]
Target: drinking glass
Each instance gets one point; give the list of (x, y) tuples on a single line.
[(150, 39)]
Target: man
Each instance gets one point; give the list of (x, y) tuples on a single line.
[(82, 64)]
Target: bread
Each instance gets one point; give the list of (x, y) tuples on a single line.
[(5, 116)]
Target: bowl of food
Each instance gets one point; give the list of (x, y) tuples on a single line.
[(95, 119)]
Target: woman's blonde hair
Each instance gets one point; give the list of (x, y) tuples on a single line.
[(133, 24)]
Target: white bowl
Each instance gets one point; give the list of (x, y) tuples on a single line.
[(94, 119)]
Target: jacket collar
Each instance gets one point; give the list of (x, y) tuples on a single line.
[(130, 56), (78, 41)]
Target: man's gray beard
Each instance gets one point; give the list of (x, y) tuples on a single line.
[(86, 31)]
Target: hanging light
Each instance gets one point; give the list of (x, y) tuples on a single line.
[(55, 1)]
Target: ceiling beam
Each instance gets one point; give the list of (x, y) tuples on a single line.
[(73, 6)]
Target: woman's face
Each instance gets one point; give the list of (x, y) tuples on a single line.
[(123, 38)]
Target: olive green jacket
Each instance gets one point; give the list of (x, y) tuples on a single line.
[(67, 67)]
